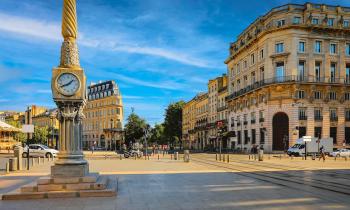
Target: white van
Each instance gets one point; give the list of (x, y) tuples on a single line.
[(312, 147)]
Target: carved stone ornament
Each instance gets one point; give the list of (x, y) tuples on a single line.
[(69, 54)]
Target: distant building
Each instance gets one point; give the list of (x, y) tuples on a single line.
[(7, 134), (102, 126), (48, 120)]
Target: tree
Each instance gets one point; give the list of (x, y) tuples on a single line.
[(19, 136), (157, 134), (40, 135), (173, 122), (134, 128)]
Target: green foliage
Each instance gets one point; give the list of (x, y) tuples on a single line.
[(173, 122), (40, 135), (157, 134), (134, 128)]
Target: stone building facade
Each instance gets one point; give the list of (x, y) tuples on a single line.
[(289, 76), (102, 126)]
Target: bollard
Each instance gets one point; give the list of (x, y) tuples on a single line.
[(39, 160), (171, 156), (176, 157), (261, 155), (120, 156), (186, 156), (216, 156), (249, 157), (220, 157), (7, 167), (12, 164), (32, 161), (158, 156), (228, 158), (223, 158), (18, 151), (148, 157)]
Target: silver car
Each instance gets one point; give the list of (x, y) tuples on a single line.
[(340, 153), (39, 150)]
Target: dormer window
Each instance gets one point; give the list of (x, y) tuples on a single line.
[(314, 21), (281, 23), (330, 22), (296, 20)]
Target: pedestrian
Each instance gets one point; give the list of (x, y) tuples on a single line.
[(322, 154)]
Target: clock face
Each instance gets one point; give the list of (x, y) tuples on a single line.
[(68, 84)]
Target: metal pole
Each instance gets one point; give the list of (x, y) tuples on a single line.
[(305, 150), (28, 136)]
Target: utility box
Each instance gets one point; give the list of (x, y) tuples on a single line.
[(18, 151)]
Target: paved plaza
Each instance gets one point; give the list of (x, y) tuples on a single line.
[(204, 183)]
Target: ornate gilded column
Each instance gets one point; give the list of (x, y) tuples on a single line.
[(69, 94)]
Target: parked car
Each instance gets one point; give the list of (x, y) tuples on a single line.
[(340, 153), (39, 150)]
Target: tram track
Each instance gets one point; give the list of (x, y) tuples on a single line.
[(292, 181)]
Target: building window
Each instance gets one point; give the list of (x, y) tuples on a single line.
[(301, 70), (318, 46), (347, 50), (252, 59), (318, 114), (318, 132), (296, 20), (318, 71), (301, 47), (300, 94), (245, 64), (262, 75), (347, 73), (332, 73), (281, 23), (332, 96), (330, 22), (314, 21), (347, 96), (333, 114), (279, 48), (238, 68), (279, 71), (333, 49), (262, 136), (346, 23), (347, 114), (317, 95), (253, 136), (252, 117), (302, 113), (261, 54)]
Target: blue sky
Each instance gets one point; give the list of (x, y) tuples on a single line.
[(158, 51)]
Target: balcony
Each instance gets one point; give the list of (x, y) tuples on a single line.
[(222, 108), (333, 118), (281, 80), (252, 121), (261, 120), (302, 117), (318, 118)]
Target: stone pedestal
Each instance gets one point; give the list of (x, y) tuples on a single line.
[(91, 185), (69, 170)]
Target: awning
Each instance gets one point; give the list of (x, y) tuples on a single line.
[(6, 127)]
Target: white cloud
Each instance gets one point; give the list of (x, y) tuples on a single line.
[(171, 85), (51, 31)]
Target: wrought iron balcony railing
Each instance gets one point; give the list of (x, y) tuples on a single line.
[(285, 79), (318, 118)]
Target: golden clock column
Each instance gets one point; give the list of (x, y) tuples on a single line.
[(69, 93)]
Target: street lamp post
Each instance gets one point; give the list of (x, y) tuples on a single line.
[(111, 134)]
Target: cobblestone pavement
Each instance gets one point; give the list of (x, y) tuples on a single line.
[(203, 184)]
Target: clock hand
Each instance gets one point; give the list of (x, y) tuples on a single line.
[(67, 84)]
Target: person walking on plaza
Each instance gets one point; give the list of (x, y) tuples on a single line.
[(322, 155)]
